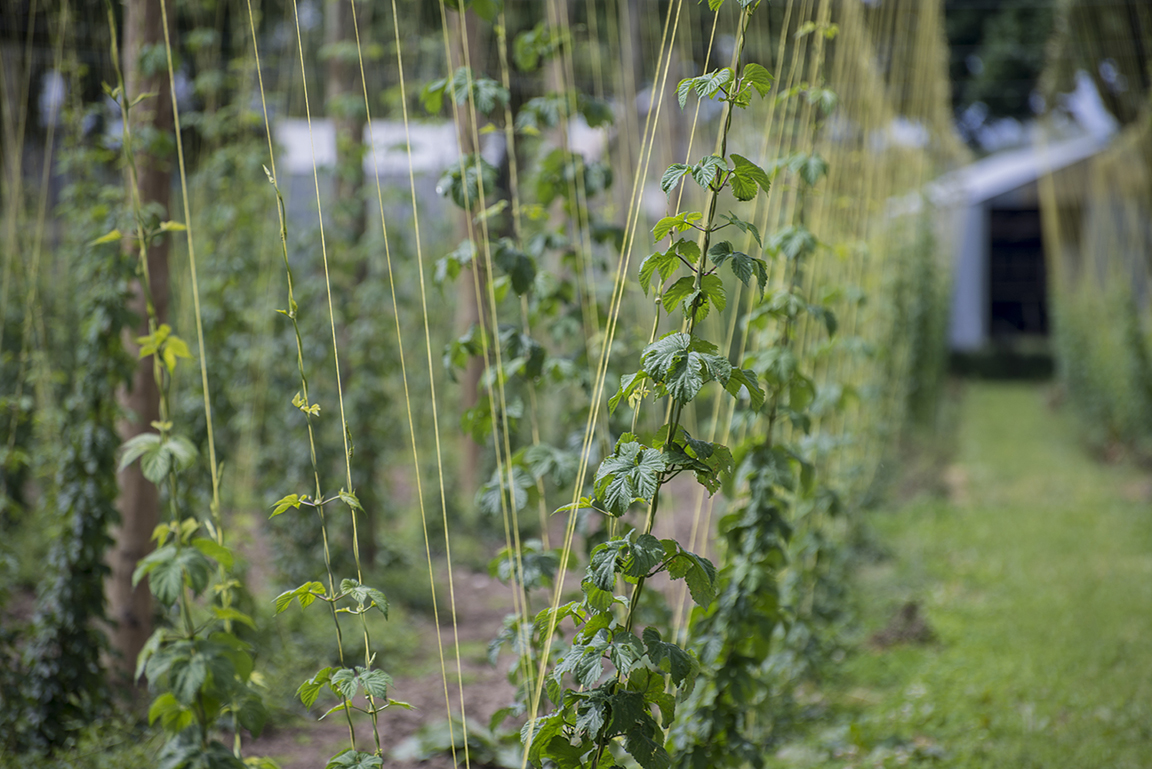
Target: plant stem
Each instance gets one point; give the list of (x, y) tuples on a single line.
[(677, 409)]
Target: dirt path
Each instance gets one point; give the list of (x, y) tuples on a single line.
[(482, 602)]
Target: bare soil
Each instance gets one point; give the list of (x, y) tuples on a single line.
[(481, 605)]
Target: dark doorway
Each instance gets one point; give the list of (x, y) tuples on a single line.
[(1017, 281)]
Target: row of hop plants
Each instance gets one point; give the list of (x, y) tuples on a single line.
[(767, 618), (1096, 239), (1098, 270)]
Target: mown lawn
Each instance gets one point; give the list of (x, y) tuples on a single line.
[(1036, 577)]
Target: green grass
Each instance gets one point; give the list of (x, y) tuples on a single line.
[(1037, 579)]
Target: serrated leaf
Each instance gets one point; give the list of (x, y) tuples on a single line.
[(710, 84), (758, 77), (349, 498), (306, 594), (310, 689), (745, 379), (643, 555), (679, 223), (673, 175), (678, 292), (669, 658), (376, 683), (708, 170), (284, 504), (658, 357), (683, 88), (629, 383), (743, 226), (745, 169), (713, 288), (698, 573)]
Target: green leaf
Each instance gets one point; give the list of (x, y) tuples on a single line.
[(376, 683), (673, 175), (584, 661), (310, 689), (349, 498), (137, 446), (516, 264), (825, 98), (662, 263), (364, 595), (745, 379), (742, 188), (670, 658), (306, 594), (537, 733), (658, 357), (187, 678), (709, 170), (629, 384), (685, 378), (743, 266), (679, 223), (213, 550), (697, 572), (486, 94), (448, 267), (534, 46), (463, 179), (683, 88), (172, 227), (284, 504), (743, 226), (354, 759), (489, 10), (710, 84), (713, 288), (678, 292), (169, 568), (749, 174), (156, 462), (630, 473), (757, 77), (643, 555), (182, 450), (165, 707), (810, 167), (793, 242)]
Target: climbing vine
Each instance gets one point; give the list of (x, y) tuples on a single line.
[(629, 706), (199, 669)]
